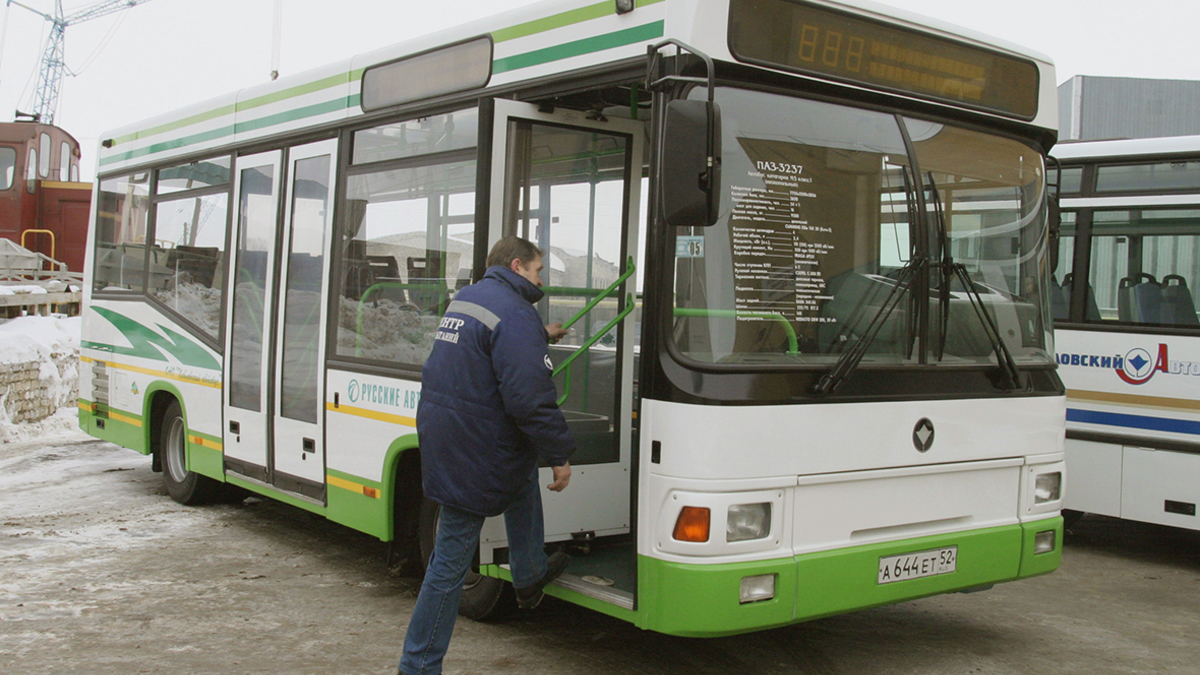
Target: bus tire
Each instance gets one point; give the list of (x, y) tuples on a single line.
[(185, 487), (483, 598)]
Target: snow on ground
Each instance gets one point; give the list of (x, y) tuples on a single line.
[(43, 338)]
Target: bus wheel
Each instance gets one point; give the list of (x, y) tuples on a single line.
[(483, 598), (185, 487)]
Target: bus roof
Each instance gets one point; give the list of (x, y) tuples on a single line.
[(1127, 148), (533, 42)]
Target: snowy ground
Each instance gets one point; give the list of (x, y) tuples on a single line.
[(101, 573)]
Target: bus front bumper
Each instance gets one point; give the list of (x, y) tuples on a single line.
[(707, 600)]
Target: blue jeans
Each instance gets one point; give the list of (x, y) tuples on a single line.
[(432, 620)]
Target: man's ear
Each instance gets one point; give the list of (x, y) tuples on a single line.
[(515, 265)]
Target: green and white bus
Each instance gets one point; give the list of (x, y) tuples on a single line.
[(802, 246)]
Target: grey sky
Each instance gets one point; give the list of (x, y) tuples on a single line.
[(169, 53)]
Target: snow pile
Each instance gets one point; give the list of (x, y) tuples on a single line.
[(39, 371), (196, 302), (390, 331), (14, 290)]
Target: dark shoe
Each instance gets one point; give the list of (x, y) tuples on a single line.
[(531, 596)]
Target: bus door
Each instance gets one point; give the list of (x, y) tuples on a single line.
[(569, 182), (275, 416)]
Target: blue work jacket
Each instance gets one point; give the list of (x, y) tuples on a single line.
[(488, 406)]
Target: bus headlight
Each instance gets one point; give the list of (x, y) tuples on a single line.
[(748, 521), (1048, 487)]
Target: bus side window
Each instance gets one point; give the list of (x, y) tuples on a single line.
[(407, 235), (121, 252), (1145, 265)]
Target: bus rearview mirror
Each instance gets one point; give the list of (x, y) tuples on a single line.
[(691, 163)]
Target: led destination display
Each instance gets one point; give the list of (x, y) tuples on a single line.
[(812, 40)]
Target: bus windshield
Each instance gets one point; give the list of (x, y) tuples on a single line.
[(829, 224)]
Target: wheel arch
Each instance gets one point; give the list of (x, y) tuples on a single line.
[(158, 398), (402, 486)]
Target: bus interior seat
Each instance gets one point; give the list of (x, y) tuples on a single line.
[(199, 262), (426, 272), (381, 269), (464, 279), (1139, 299), (1178, 308), (358, 271), (1092, 310)]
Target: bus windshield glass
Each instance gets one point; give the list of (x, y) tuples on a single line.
[(984, 197), (821, 237)]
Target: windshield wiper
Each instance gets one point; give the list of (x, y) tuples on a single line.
[(850, 359), (1010, 377), (831, 381)]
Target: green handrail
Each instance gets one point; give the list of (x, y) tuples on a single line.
[(566, 364), (629, 306), (630, 269), (692, 312)]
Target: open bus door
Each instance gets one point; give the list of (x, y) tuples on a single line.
[(569, 182)]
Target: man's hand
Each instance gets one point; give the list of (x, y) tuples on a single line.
[(556, 332), (562, 476)]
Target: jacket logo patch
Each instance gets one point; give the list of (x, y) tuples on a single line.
[(549, 365), (448, 329)]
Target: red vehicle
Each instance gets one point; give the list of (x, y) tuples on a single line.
[(43, 206)]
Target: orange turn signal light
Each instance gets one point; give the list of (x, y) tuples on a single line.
[(692, 524)]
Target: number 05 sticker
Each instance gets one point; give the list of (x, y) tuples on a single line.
[(689, 247)]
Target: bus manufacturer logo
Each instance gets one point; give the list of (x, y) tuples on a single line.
[(383, 395), (922, 436), (1140, 365)]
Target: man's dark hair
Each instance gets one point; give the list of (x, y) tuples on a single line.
[(513, 248)]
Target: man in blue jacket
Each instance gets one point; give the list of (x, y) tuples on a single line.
[(488, 411)]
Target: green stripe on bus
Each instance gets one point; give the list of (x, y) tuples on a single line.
[(299, 113), (205, 461), (357, 510), (185, 122), (579, 47), (574, 16), (597, 43), (242, 127), (299, 90), (173, 144)]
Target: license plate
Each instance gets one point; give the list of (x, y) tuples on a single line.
[(917, 565)]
